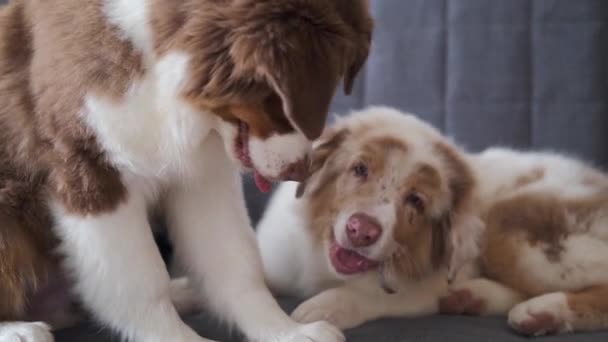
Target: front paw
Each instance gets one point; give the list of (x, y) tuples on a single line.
[(330, 306), (545, 315), (319, 331), (462, 302), (26, 332)]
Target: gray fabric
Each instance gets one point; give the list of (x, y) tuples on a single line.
[(425, 329), (515, 72)]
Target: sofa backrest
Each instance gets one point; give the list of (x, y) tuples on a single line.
[(520, 73)]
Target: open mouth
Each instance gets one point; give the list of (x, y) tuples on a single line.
[(242, 153), (348, 262)]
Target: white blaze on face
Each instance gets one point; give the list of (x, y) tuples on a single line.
[(273, 155)]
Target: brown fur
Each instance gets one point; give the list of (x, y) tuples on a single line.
[(25, 238), (536, 220), (251, 60), (590, 308)]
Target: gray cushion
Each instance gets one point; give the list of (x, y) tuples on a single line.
[(427, 329)]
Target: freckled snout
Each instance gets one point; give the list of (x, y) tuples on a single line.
[(297, 171), (363, 230)]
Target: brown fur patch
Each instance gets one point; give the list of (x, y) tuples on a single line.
[(388, 143), (26, 243), (534, 219), (46, 134), (590, 308)]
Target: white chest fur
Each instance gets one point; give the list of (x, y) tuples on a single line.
[(150, 132)]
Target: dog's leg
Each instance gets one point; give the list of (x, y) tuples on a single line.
[(364, 300), (213, 239), (25, 332), (561, 312), (119, 272), (480, 296)]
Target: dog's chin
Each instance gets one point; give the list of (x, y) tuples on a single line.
[(347, 262)]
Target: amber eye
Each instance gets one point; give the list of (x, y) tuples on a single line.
[(360, 170), (415, 200)]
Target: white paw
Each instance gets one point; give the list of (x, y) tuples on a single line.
[(185, 298), (25, 332), (332, 306), (313, 332), (546, 314)]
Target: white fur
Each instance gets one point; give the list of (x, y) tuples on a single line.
[(159, 142), (279, 151), (361, 300), (25, 332), (293, 262), (131, 16), (555, 304)]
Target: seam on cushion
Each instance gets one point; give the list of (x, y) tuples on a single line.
[(362, 98), (446, 38), (531, 85)]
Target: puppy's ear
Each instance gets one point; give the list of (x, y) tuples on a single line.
[(356, 14), (299, 49), (462, 228), (306, 89), (327, 145), (463, 243), (351, 73)]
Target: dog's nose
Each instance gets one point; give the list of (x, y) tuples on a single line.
[(363, 230), (297, 171)]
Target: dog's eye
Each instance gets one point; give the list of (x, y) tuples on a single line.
[(360, 170), (415, 200)]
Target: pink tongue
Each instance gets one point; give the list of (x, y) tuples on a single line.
[(354, 260), (262, 183)]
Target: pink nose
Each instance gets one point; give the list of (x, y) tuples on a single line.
[(363, 230)]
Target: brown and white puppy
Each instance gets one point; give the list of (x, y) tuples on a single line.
[(370, 233), (534, 227), (109, 106)]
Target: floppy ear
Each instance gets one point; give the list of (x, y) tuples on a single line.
[(306, 89), (463, 243), (351, 73), (296, 47), (463, 228), (328, 144), (356, 13)]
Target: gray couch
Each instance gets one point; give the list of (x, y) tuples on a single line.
[(524, 73)]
